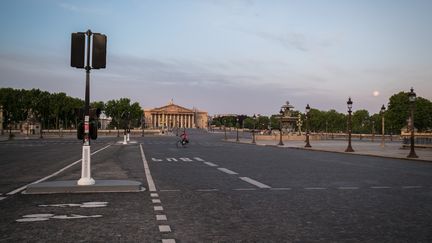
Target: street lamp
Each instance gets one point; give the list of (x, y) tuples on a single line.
[(281, 112), (41, 129), (1, 121), (237, 125), (349, 104), (143, 125), (382, 125), (10, 125), (412, 99), (373, 131), (253, 131), (224, 121), (307, 126)]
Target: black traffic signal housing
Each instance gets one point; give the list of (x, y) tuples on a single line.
[(80, 130), (93, 123), (78, 50), (99, 51)]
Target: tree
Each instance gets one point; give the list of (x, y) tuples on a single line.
[(124, 113), (361, 122)]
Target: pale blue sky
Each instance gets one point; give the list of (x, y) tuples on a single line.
[(225, 56)]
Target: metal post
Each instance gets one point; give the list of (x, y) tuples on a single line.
[(382, 126), (225, 137), (253, 132), (412, 153), (86, 159), (307, 131), (280, 132), (237, 125), (373, 131), (349, 148)]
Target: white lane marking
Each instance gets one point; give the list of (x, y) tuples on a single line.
[(164, 228), (348, 188), (44, 217), (227, 171), (254, 182), (158, 208), (198, 159), (210, 164), (411, 187), (149, 178), (207, 190), (161, 217), (380, 187), (156, 201), (154, 159), (1, 198), (171, 159), (170, 190), (53, 174), (315, 188), (154, 195), (75, 216), (186, 160), (168, 241), (82, 205), (281, 189), (244, 189)]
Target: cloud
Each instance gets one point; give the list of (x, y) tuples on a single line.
[(87, 9)]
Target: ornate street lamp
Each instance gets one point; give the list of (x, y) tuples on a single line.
[(307, 126), (41, 129), (237, 127), (382, 125), (281, 112), (253, 131), (1, 121), (373, 131), (412, 99), (349, 104)]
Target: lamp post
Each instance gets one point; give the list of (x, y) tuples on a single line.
[(10, 125), (281, 112), (382, 125), (1, 121), (225, 137), (143, 125), (237, 127), (307, 127), (349, 104), (373, 131), (253, 131), (412, 99), (41, 129)]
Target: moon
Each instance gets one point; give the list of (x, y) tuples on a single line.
[(375, 93)]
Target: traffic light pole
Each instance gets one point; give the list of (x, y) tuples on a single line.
[(86, 178)]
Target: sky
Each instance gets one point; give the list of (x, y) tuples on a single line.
[(225, 56)]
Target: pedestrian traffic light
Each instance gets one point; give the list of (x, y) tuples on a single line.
[(78, 50), (93, 129), (80, 130), (99, 51)]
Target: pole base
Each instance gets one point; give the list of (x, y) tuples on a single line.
[(86, 182), (412, 154), (349, 149)]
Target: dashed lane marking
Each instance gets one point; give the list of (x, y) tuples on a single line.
[(348, 188), (164, 228), (199, 159), (156, 201), (244, 189), (154, 195), (150, 182), (1, 198), (161, 217), (210, 164), (168, 241), (53, 174), (158, 208), (227, 171), (254, 182), (315, 188)]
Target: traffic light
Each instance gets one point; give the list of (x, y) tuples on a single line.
[(93, 129), (80, 130), (99, 51), (78, 50)]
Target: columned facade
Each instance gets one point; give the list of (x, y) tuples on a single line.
[(173, 116)]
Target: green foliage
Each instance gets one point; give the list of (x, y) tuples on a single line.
[(123, 113), (361, 122)]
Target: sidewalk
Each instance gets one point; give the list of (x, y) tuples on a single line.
[(390, 150)]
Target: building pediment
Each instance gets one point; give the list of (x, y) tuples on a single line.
[(172, 108)]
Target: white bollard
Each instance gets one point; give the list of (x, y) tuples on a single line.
[(128, 137), (85, 170), (124, 139)]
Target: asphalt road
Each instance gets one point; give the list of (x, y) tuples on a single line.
[(215, 191)]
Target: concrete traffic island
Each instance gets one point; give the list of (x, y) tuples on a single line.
[(70, 186)]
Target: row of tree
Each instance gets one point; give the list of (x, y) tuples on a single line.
[(55, 110), (395, 118)]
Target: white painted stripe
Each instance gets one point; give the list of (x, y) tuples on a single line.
[(210, 164), (281, 189), (156, 201), (53, 174), (207, 190), (411, 187), (158, 208), (315, 188), (171, 159), (244, 189), (198, 159), (168, 241), (186, 159), (254, 182), (149, 178), (154, 195), (170, 190), (161, 217), (164, 228), (227, 171), (348, 188), (380, 187), (1, 198)]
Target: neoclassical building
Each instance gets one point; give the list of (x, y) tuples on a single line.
[(172, 116)]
